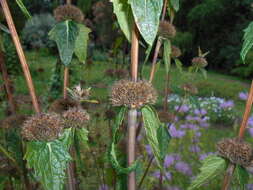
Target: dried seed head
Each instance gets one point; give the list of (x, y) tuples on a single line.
[(133, 94), (235, 150), (190, 88), (13, 121), (166, 30), (199, 62), (166, 117), (175, 52), (42, 127), (79, 94), (110, 114), (76, 117), (60, 105), (68, 12)]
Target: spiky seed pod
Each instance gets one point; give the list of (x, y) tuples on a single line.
[(235, 150), (68, 12), (199, 62), (190, 88), (167, 30), (175, 52), (165, 116), (13, 121), (43, 127), (60, 105), (133, 94), (76, 117), (110, 114)]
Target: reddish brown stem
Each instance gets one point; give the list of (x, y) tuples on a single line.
[(134, 54), (21, 54), (71, 170), (66, 82), (7, 85), (158, 45)]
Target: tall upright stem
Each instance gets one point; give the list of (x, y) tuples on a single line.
[(132, 114), (158, 45), (21, 54), (229, 173), (66, 82), (7, 84)]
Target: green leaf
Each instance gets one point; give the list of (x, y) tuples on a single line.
[(212, 166), (204, 73), (123, 12), (82, 42), (49, 161), (147, 17), (112, 150), (247, 41), (242, 176), (175, 4), (151, 125), (163, 138), (67, 137), (65, 35), (23, 8), (4, 28), (179, 65), (82, 134), (166, 55)]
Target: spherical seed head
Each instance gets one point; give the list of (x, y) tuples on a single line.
[(68, 12), (167, 30), (42, 127), (13, 121), (133, 94), (190, 88), (199, 62), (235, 150), (60, 105), (175, 52), (76, 117)]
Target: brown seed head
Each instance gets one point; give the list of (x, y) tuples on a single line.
[(190, 88), (13, 121), (68, 12), (60, 105), (133, 94), (167, 30), (76, 117), (199, 62), (175, 52), (235, 150), (42, 127), (79, 94)]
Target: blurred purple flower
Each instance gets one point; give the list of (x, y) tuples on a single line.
[(176, 133), (251, 131), (169, 160), (250, 187), (156, 174), (204, 124), (200, 112), (250, 122), (103, 187), (173, 188), (198, 134), (193, 126), (203, 156), (183, 168), (195, 148), (243, 95), (184, 108), (227, 104), (148, 149)]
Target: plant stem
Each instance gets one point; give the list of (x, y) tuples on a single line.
[(66, 82), (165, 103), (7, 85), (146, 172), (71, 171), (158, 45), (230, 171), (21, 54)]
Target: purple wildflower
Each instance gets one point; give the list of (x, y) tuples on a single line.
[(184, 108), (183, 168), (176, 133), (198, 134), (156, 174), (250, 187), (250, 122), (203, 156), (103, 187), (149, 150), (243, 95), (251, 131), (227, 104), (169, 160), (200, 112), (195, 148)]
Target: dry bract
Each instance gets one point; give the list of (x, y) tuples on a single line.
[(133, 94), (235, 150), (60, 105), (13, 121), (167, 30), (68, 12), (190, 88), (199, 62), (76, 117), (175, 52), (42, 127)]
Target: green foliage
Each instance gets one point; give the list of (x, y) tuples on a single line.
[(124, 16), (49, 161), (65, 35), (55, 81), (211, 167), (23, 8), (163, 137), (147, 17), (35, 32), (82, 42), (166, 55), (242, 176), (175, 4), (247, 41)]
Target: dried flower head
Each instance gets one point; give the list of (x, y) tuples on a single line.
[(175, 52), (166, 30), (60, 105), (199, 62), (68, 12), (190, 88), (76, 117), (13, 121), (235, 150), (133, 94), (42, 127), (79, 94), (110, 114)]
